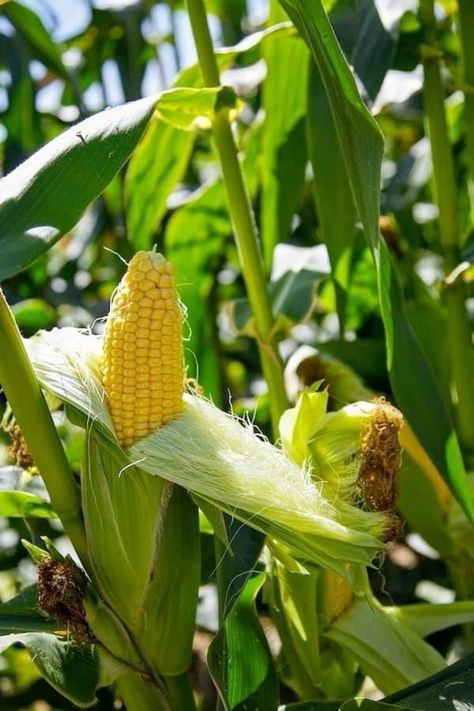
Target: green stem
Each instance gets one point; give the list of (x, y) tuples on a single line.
[(31, 412), (181, 692), (459, 339), (466, 23), (140, 694), (244, 222)]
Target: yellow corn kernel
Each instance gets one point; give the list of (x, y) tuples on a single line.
[(142, 362), (337, 595)]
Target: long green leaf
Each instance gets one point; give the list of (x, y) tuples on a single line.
[(452, 688), (23, 504), (156, 166), (283, 153), (415, 386), (20, 614), (358, 135), (30, 26), (252, 683), (334, 202), (387, 650), (71, 669), (45, 196), (161, 158), (427, 618), (361, 144)]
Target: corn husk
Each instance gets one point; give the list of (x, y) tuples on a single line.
[(223, 461), (141, 533)]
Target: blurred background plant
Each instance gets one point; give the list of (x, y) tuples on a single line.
[(61, 62)]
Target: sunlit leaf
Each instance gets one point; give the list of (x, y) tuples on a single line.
[(45, 196)]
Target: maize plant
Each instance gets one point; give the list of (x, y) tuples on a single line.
[(236, 407)]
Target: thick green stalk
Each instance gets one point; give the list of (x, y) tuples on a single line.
[(459, 338), (243, 220), (180, 690), (24, 394), (141, 694), (466, 23)]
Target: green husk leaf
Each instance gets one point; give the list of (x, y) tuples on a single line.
[(390, 652), (143, 535), (210, 454)]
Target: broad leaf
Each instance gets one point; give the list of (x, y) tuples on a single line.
[(415, 386), (361, 145), (22, 504), (45, 196), (450, 689), (334, 202), (387, 650), (359, 137), (365, 41), (427, 618), (369, 705), (21, 614), (292, 297), (71, 669), (190, 108), (155, 167), (161, 158)]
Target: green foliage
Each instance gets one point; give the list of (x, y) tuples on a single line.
[(318, 110)]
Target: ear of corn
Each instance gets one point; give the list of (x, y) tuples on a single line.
[(192, 443), (142, 364)]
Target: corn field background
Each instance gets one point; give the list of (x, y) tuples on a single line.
[(306, 167)]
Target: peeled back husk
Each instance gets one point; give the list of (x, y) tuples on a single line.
[(222, 460)]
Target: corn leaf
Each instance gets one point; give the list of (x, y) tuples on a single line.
[(296, 614), (334, 202), (23, 504), (283, 154), (45, 196), (425, 619), (292, 298), (20, 614), (162, 156), (369, 705), (415, 386), (71, 669), (156, 166), (358, 135), (190, 108), (361, 145), (30, 26), (452, 688), (252, 683), (366, 42), (195, 239), (311, 706), (387, 650)]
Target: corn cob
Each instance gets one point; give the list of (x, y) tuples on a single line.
[(142, 357)]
